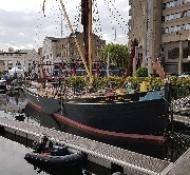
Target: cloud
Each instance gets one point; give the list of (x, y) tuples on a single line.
[(22, 23), (21, 34), (16, 29), (21, 5), (2, 32)]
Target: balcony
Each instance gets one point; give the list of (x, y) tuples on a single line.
[(176, 9), (176, 22), (175, 37)]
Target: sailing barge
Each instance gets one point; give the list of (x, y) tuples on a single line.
[(131, 119)]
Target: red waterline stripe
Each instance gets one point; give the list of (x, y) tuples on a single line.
[(102, 133), (35, 106)]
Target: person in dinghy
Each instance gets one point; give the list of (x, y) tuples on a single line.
[(44, 145)]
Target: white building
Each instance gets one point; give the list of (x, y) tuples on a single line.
[(49, 52), (22, 59), (56, 50)]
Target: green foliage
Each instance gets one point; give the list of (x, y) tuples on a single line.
[(76, 81), (141, 72), (1, 73), (180, 86), (118, 54)]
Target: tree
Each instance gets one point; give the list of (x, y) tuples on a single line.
[(118, 54), (141, 72)]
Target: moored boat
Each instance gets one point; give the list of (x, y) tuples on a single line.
[(46, 104), (140, 121), (61, 160), (140, 117), (102, 118), (53, 161)]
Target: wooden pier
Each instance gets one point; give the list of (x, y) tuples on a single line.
[(99, 153)]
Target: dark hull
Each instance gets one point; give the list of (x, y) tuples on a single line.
[(50, 105), (122, 121), (141, 117), (144, 144), (42, 104), (120, 124)]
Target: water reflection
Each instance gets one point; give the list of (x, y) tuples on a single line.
[(12, 159), (12, 104), (41, 118), (13, 163), (15, 108)]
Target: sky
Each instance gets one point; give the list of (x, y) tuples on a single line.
[(24, 26)]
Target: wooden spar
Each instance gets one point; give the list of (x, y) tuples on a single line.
[(75, 39), (90, 37), (87, 26), (158, 68)]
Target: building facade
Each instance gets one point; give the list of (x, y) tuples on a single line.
[(58, 50), (22, 59), (162, 28)]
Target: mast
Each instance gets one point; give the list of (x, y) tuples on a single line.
[(87, 26), (75, 39), (87, 21)]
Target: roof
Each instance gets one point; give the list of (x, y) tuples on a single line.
[(12, 53), (52, 38)]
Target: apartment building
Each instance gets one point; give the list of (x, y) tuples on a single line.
[(56, 50), (22, 59), (162, 28)]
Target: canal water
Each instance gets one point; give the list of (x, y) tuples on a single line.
[(12, 153), (12, 159), (13, 150)]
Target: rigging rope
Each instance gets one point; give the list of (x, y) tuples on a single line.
[(75, 39), (96, 19), (73, 33), (118, 19), (77, 18)]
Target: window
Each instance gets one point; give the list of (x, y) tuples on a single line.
[(173, 53), (175, 29), (185, 52), (174, 3)]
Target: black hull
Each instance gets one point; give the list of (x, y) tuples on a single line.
[(103, 119), (42, 104), (140, 117), (32, 99), (50, 105), (141, 123), (150, 145)]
